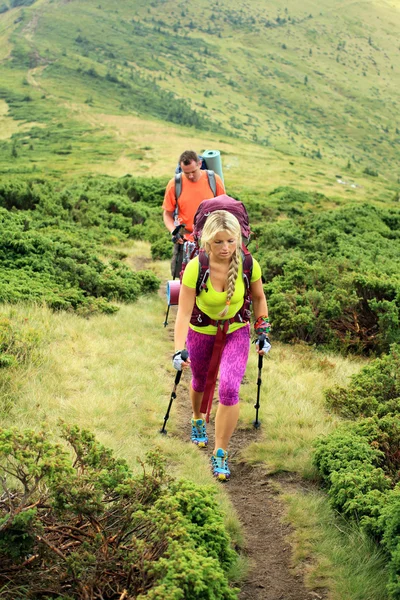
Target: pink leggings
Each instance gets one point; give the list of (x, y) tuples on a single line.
[(232, 366)]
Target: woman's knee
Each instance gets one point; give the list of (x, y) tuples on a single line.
[(228, 396), (198, 385)]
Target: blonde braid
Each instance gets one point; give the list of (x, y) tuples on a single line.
[(232, 277)]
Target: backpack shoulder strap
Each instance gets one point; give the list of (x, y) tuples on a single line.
[(204, 272), (247, 268), (178, 187), (178, 184), (212, 182)]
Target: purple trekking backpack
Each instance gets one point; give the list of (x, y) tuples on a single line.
[(222, 202), (191, 249)]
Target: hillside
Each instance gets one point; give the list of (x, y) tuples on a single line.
[(304, 95), (97, 100)]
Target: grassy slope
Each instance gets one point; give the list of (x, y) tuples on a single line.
[(97, 78)]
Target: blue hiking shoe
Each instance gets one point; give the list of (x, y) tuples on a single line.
[(219, 465), (199, 433)]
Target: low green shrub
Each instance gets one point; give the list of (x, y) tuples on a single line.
[(360, 464), (51, 243), (161, 249), (77, 522), (374, 390), (322, 279), (390, 523), (19, 340)]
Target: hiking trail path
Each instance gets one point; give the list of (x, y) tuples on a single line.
[(255, 496)]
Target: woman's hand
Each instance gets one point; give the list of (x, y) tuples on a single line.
[(181, 360), (263, 345)]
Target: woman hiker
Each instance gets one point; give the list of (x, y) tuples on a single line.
[(221, 302)]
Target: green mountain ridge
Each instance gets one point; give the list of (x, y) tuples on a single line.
[(311, 82)]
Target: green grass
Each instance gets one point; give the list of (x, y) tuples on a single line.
[(291, 404), (344, 560)]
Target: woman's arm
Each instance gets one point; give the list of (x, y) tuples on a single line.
[(260, 306), (260, 310), (187, 297)]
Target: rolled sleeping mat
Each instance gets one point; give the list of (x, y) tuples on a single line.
[(213, 161), (173, 289)]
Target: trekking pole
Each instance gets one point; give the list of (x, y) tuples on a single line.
[(178, 376), (175, 237), (166, 316), (261, 341)]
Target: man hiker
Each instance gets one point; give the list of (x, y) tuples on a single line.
[(181, 208)]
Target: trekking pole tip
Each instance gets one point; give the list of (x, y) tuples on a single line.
[(256, 424)]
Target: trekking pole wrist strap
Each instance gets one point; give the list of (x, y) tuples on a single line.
[(262, 325)]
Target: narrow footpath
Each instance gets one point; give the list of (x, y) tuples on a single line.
[(254, 495)]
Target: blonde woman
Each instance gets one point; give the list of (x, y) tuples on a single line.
[(219, 304)]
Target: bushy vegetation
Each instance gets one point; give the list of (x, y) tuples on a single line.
[(375, 390), (323, 281), (360, 460), (76, 523), (333, 277), (56, 244)]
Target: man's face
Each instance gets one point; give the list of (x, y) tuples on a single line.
[(192, 171)]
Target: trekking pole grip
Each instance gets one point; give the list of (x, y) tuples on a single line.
[(184, 356), (261, 342)]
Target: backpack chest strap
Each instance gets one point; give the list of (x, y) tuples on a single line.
[(200, 319)]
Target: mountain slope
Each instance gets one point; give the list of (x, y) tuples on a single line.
[(313, 82)]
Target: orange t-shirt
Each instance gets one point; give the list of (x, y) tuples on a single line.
[(193, 193)]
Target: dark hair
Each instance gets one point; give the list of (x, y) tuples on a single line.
[(188, 156)]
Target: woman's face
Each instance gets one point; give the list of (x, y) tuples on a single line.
[(223, 245)]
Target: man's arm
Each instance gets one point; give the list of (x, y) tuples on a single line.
[(168, 218)]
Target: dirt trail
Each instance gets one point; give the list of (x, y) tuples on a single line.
[(254, 495)]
